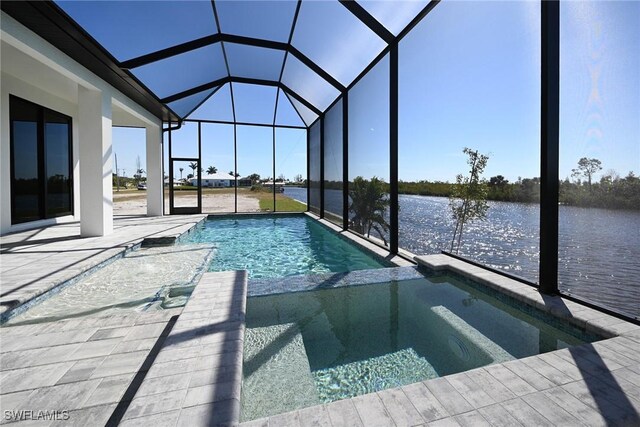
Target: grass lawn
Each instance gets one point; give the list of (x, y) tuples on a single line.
[(283, 203)]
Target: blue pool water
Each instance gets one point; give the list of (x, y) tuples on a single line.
[(279, 246), (307, 348)]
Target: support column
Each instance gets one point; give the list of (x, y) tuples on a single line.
[(96, 169), (393, 149), (345, 160), (155, 180), (549, 146), (322, 166)]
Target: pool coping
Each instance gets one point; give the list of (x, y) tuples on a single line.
[(204, 348), (581, 316)]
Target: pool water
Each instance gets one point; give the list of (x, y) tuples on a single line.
[(307, 348), (279, 246)]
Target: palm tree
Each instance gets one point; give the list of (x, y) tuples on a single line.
[(181, 169), (193, 166), (369, 203), (211, 170)]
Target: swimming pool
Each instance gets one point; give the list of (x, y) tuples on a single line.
[(307, 348), (144, 279), (279, 246)]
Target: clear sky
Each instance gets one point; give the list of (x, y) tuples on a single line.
[(469, 76)]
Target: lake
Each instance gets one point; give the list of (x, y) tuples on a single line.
[(599, 255)]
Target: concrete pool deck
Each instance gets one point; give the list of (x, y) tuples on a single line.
[(184, 366)]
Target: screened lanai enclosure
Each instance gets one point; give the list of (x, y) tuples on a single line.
[(362, 110)]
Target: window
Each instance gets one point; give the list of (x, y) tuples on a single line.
[(41, 176)]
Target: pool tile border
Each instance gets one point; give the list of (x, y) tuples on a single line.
[(381, 253), (313, 282)]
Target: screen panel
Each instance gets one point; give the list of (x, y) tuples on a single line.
[(254, 62), (328, 33), (314, 168), (309, 85), (184, 106), (307, 115), (333, 179), (270, 20), (254, 103), (255, 166), (218, 107), (480, 93), (369, 154), (291, 170), (599, 212), (394, 15), (218, 164), (128, 29), (182, 72), (286, 114)]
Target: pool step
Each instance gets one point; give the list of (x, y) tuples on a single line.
[(466, 342), (390, 370), (276, 373)]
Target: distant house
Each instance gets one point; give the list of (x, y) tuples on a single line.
[(216, 180), (244, 182)]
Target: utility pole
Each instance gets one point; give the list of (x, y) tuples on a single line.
[(115, 155)]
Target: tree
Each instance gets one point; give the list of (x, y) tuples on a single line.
[(369, 203), (139, 171), (115, 155), (468, 200), (586, 168), (211, 170), (498, 181), (181, 169), (254, 178), (193, 166), (298, 178)]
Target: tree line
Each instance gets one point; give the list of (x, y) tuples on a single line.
[(611, 191)]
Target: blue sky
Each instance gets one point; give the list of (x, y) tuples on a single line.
[(469, 76)]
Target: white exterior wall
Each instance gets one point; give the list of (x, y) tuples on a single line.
[(34, 70), (155, 191)]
